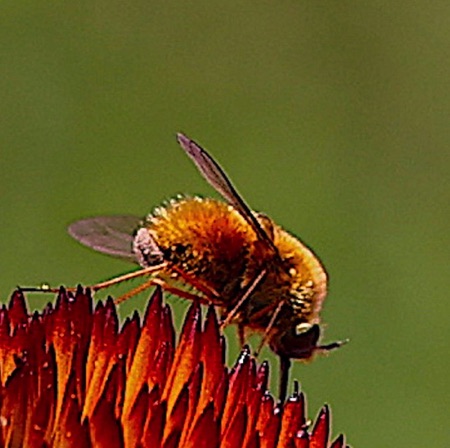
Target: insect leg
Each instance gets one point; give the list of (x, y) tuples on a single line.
[(264, 311), (134, 291), (182, 293), (129, 276), (247, 292), (166, 287), (205, 289), (269, 326), (45, 288)]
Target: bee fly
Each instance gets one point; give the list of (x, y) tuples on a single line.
[(261, 278)]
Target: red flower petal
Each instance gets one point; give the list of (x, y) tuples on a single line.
[(321, 430), (71, 378), (293, 419), (206, 432), (144, 354)]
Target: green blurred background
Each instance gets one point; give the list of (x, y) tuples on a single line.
[(332, 117)]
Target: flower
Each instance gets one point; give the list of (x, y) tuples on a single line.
[(70, 376)]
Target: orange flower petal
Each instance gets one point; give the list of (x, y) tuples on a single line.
[(13, 339), (186, 357), (212, 356), (237, 389), (69, 377), (63, 339), (101, 355), (156, 421), (176, 419)]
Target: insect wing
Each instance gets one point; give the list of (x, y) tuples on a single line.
[(111, 235), (217, 178)]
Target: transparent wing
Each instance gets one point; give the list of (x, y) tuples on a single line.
[(217, 178), (111, 235)]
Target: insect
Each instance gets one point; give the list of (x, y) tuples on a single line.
[(262, 278)]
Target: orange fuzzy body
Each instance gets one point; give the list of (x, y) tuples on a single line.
[(210, 241)]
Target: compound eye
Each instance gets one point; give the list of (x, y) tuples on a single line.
[(146, 250), (302, 328), (297, 342)]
